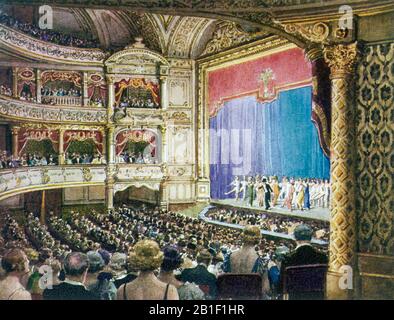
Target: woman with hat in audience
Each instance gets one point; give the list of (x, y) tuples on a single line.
[(171, 262), (97, 282), (147, 257), (121, 270), (16, 265)]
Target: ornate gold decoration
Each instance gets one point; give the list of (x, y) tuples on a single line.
[(316, 32), (341, 59), (227, 34), (87, 174)]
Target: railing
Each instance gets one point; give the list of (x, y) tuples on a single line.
[(62, 100), (24, 110), (27, 179), (19, 42), (24, 179)]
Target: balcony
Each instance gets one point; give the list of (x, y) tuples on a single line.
[(30, 111), (16, 41), (62, 100), (27, 179)]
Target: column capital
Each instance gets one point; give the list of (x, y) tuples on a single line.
[(341, 59), (110, 79), (15, 130)]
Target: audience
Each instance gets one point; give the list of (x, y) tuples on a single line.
[(5, 90), (172, 261), (304, 253), (201, 276), (267, 221), (147, 257), (194, 255), (16, 265), (47, 35), (76, 265)]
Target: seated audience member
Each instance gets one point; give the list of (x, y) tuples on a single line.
[(33, 282), (147, 257), (304, 253), (121, 270), (16, 265), (274, 266), (246, 260), (100, 283), (76, 265), (96, 265), (201, 276), (172, 261)]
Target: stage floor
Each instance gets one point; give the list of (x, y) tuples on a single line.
[(315, 213)]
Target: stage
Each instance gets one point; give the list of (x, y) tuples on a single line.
[(322, 214)]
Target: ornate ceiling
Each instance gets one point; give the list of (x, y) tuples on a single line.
[(187, 28)]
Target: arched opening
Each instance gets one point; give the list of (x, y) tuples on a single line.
[(135, 195)]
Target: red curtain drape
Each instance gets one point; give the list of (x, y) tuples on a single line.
[(154, 88), (80, 135), (136, 136), (25, 135)]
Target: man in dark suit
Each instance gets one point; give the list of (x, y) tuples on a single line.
[(201, 276), (76, 266), (304, 254), (77, 159)]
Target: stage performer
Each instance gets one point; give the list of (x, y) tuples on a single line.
[(289, 197), (300, 195), (236, 188), (244, 187), (275, 190), (250, 191), (259, 185), (284, 187), (267, 192), (307, 202)]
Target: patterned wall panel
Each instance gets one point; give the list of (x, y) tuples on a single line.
[(375, 149)]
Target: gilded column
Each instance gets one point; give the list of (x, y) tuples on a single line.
[(164, 152), (111, 169), (111, 97), (43, 208), (61, 146), (342, 264), (164, 92), (85, 94), (15, 136), (109, 186), (110, 145), (38, 85), (15, 82)]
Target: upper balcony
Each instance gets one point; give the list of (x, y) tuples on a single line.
[(17, 42)]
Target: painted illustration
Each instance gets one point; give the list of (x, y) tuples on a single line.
[(196, 150)]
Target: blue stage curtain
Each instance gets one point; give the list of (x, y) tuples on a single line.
[(276, 138)]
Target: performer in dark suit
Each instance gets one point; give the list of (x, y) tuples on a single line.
[(200, 274), (268, 191), (76, 266), (304, 254)]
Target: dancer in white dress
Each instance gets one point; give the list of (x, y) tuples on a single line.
[(236, 184)]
